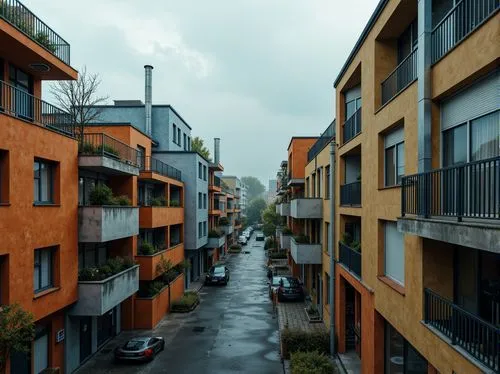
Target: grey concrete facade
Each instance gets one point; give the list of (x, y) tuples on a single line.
[(305, 253), (98, 297), (284, 209), (285, 240), (97, 224), (216, 242), (107, 165), (310, 208), (468, 234)]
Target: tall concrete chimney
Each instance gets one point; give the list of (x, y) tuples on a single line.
[(148, 99), (216, 150)]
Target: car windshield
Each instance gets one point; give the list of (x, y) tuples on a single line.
[(218, 270), (276, 281), (134, 345), (290, 282)]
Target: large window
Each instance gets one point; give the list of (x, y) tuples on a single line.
[(43, 269), (200, 200), (200, 170), (24, 87), (174, 132), (185, 142), (394, 157), (204, 172), (141, 156), (43, 186), (351, 107), (4, 176), (407, 42), (400, 356), (205, 201), (327, 182), (200, 229), (394, 253), (91, 255), (178, 136)]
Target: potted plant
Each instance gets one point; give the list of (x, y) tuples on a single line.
[(312, 313)]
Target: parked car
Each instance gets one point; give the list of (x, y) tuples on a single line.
[(260, 237), (273, 285), (242, 240), (140, 349), (290, 288), (217, 274), (247, 234)]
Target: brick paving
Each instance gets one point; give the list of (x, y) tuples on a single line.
[(295, 316)]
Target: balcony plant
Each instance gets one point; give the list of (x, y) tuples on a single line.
[(223, 221), (158, 201), (277, 255), (107, 149), (103, 195), (312, 313), (111, 267), (270, 244), (43, 39), (216, 233), (302, 239), (186, 303), (234, 248), (174, 203), (147, 249), (348, 241), (286, 231)]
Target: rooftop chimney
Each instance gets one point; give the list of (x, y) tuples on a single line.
[(216, 150), (148, 86)]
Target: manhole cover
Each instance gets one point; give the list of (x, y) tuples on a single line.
[(198, 328), (246, 252), (105, 351)]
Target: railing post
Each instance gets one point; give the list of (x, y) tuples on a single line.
[(426, 306), (403, 199), (102, 143), (459, 196), (453, 326)]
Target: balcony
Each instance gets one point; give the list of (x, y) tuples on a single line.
[(321, 143), (350, 194), (159, 216), (308, 208), (465, 17), (98, 297), (148, 263), (305, 253), (459, 204), (97, 224), (401, 77), (216, 241), (227, 229), (20, 17), (20, 104), (150, 165), (103, 154), (216, 185), (352, 126), (285, 240), (284, 209), (455, 325), (350, 258)]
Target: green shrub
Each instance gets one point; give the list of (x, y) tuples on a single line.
[(163, 266), (297, 340), (43, 39), (174, 203), (87, 148), (286, 231), (223, 221), (123, 200), (217, 233), (186, 302), (277, 255), (128, 262), (170, 275), (106, 271), (154, 288), (158, 201), (270, 243), (302, 239), (101, 195), (146, 249), (311, 363), (107, 149)]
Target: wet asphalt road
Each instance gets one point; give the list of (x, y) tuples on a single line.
[(233, 330)]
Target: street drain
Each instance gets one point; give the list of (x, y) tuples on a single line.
[(246, 252), (105, 351), (198, 328)]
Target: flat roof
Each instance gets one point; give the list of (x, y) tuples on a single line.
[(300, 137)]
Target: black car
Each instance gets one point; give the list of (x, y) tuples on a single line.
[(217, 274), (140, 349), (273, 284), (290, 288)]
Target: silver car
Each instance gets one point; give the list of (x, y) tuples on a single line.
[(140, 349)]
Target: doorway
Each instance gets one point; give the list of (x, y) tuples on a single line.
[(85, 338), (352, 319)]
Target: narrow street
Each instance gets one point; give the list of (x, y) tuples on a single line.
[(233, 330)]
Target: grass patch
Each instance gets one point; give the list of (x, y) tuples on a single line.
[(186, 303), (312, 363)]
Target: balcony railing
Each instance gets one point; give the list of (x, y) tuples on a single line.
[(216, 181), (463, 18), (471, 190), (18, 103), (152, 164), (350, 194), (23, 19), (323, 140), (352, 126), (99, 144), (476, 336), (350, 258), (401, 77)]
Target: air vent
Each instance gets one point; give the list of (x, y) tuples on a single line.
[(42, 68)]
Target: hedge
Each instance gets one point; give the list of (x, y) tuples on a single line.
[(297, 340), (311, 363)]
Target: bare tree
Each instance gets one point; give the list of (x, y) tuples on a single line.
[(79, 98)]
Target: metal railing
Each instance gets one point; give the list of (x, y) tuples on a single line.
[(404, 74), (99, 144), (23, 19), (478, 337), (152, 164), (217, 181), (350, 258), (323, 140), (471, 190), (352, 126), (461, 20), (18, 103), (350, 194)]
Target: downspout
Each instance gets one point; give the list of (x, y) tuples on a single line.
[(331, 247)]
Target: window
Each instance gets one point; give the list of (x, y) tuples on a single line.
[(352, 107), (313, 186), (205, 201), (205, 228), (92, 255), (327, 236), (327, 288), (43, 186), (407, 41), (178, 136), (185, 143), (4, 176), (327, 182), (189, 143), (42, 275), (24, 87), (200, 200), (319, 182), (394, 253), (394, 157), (174, 133), (204, 172), (141, 156), (400, 356), (200, 229), (200, 170)]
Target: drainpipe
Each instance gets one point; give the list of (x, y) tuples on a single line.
[(331, 248)]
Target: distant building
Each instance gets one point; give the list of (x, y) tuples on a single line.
[(271, 193)]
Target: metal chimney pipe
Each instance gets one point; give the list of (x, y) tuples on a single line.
[(148, 99), (216, 150)]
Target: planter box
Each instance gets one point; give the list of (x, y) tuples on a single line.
[(148, 262), (98, 224), (307, 208), (228, 230), (313, 319), (186, 309), (216, 242), (98, 297), (285, 240), (284, 209), (305, 253)]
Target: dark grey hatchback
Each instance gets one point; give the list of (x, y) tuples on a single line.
[(140, 349)]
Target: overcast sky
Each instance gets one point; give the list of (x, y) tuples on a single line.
[(252, 72)]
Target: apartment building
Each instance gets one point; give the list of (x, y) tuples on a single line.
[(38, 208), (233, 194), (417, 199)]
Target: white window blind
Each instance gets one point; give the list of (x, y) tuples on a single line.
[(394, 253)]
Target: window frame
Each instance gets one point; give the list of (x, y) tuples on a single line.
[(395, 146), (38, 255), (204, 172), (200, 170), (38, 180), (174, 139), (385, 249)]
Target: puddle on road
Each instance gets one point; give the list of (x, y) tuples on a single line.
[(272, 356)]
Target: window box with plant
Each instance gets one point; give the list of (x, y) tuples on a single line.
[(187, 303), (102, 195), (234, 248), (111, 267), (312, 313)]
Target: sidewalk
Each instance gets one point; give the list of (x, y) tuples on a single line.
[(196, 286)]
